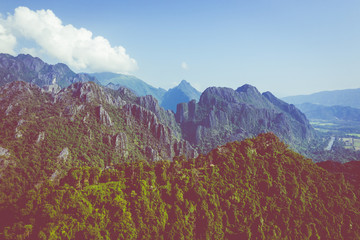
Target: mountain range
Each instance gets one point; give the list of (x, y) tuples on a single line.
[(329, 113), (221, 115), (138, 86), (347, 97), (33, 70), (184, 92), (54, 77), (79, 160)]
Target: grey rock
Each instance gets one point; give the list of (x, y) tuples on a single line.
[(64, 155), (40, 138), (224, 115), (103, 116), (4, 152)]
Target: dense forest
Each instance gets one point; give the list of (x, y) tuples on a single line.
[(254, 189)]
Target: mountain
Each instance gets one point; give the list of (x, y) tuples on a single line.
[(44, 134), (33, 70), (348, 97), (255, 189), (184, 92), (223, 115), (314, 111), (114, 81)]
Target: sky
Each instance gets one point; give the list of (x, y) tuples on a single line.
[(286, 47)]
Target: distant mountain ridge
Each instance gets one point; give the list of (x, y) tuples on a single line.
[(54, 77), (347, 97), (33, 70), (314, 111), (184, 92), (141, 88)]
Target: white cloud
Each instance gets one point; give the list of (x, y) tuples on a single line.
[(184, 66), (76, 47), (7, 41)]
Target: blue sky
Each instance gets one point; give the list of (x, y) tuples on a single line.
[(286, 47)]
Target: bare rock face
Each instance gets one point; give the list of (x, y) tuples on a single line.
[(40, 138), (103, 116), (72, 110), (53, 88), (8, 110), (64, 155), (184, 148), (223, 115), (4, 152), (150, 121), (152, 154), (18, 132), (120, 142), (5, 160), (84, 92), (165, 117)]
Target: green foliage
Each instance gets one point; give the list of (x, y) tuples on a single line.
[(255, 189)]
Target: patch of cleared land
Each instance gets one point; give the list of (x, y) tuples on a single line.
[(351, 143)]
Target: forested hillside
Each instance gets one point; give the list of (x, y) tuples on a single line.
[(254, 189)]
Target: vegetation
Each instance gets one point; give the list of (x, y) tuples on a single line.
[(254, 189)]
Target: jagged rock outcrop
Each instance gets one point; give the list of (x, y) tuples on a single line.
[(159, 123), (64, 155), (125, 122), (164, 116), (40, 138), (5, 160), (52, 88), (103, 116), (4, 152), (220, 116), (119, 142), (224, 115)]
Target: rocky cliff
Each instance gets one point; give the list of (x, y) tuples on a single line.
[(112, 125), (224, 115)]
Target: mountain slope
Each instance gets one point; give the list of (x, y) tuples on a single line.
[(350, 171), (114, 81), (314, 111), (184, 92), (44, 134), (33, 70), (223, 115), (255, 189), (347, 97)]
